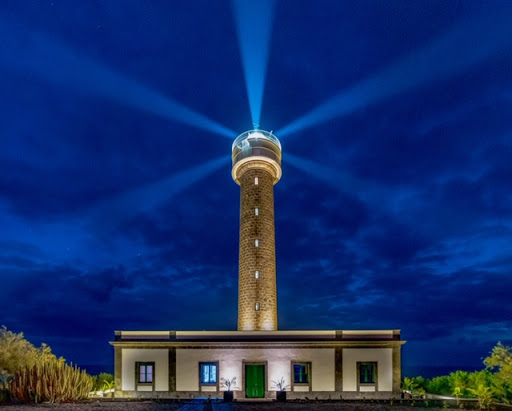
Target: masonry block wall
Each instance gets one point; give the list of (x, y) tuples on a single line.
[(257, 294)]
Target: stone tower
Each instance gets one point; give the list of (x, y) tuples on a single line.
[(256, 156)]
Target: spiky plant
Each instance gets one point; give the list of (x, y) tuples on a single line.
[(52, 381), (280, 385), (227, 383)]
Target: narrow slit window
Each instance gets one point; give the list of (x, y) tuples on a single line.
[(256, 274), (255, 181), (256, 211), (257, 306), (256, 243)]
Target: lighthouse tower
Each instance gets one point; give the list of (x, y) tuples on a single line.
[(256, 156)]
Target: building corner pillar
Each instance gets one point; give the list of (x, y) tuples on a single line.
[(397, 367), (118, 372)]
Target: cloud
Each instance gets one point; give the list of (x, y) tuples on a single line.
[(399, 217)]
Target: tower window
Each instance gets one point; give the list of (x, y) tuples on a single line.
[(257, 306), (256, 243), (256, 274), (256, 211), (255, 181)]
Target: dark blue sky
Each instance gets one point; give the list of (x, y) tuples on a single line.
[(118, 211)]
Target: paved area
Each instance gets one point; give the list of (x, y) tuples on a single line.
[(201, 406)]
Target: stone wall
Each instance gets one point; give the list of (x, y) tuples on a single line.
[(257, 295)]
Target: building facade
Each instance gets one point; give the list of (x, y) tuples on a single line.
[(258, 360), (313, 364)]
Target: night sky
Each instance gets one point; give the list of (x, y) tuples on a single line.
[(117, 206)]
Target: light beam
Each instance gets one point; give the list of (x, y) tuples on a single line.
[(254, 25), (376, 195), (39, 54), (343, 182), (121, 207), (460, 112), (466, 45), (330, 176), (74, 236)]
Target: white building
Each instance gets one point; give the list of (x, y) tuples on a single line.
[(314, 364)]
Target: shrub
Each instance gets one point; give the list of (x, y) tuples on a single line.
[(484, 395), (500, 362), (415, 386), (440, 385), (103, 380), (52, 381), (17, 353)]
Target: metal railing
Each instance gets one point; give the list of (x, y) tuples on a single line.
[(255, 134)]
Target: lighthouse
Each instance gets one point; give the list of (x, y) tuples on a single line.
[(256, 158), (315, 363)]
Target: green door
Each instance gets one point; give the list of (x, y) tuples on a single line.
[(254, 381)]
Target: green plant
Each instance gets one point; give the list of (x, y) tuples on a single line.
[(457, 391), (484, 395), (16, 353), (412, 385), (409, 384), (101, 379), (440, 385), (500, 361), (52, 382), (459, 382), (108, 385)]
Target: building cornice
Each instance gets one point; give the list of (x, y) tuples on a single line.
[(257, 345)]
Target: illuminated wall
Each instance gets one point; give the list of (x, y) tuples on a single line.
[(384, 359), (161, 359), (278, 365), (352, 369)]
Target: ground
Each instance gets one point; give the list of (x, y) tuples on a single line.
[(196, 406)]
